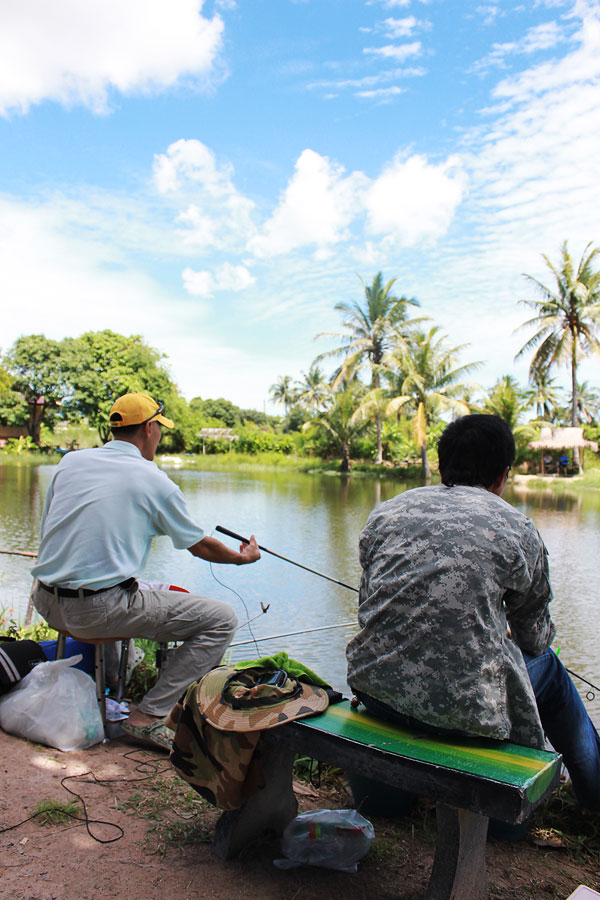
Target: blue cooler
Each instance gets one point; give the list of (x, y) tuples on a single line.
[(72, 648)]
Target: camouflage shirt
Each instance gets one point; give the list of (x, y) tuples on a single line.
[(445, 570)]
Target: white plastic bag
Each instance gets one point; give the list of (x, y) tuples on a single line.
[(330, 838), (55, 705)]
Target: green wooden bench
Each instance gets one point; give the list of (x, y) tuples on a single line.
[(470, 780)]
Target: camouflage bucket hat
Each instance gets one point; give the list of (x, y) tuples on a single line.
[(255, 699)]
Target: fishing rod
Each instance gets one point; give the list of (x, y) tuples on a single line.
[(590, 695), (244, 540), (272, 637), (19, 553)]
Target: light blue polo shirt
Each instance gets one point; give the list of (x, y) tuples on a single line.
[(102, 510)]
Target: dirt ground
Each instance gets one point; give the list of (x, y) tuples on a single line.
[(164, 848)]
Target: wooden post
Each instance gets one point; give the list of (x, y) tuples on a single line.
[(270, 808), (459, 871)]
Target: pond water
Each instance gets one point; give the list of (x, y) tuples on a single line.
[(316, 521)]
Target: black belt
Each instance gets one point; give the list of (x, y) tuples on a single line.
[(87, 592)]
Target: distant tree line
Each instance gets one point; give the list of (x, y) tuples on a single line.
[(396, 381)]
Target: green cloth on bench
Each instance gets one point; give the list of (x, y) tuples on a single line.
[(282, 661), (529, 769)]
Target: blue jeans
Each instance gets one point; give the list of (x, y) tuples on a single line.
[(567, 724), (564, 720)]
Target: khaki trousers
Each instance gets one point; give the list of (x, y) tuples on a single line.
[(204, 626)]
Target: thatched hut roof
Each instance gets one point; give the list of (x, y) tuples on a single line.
[(553, 438)]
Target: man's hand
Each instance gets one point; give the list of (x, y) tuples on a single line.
[(212, 550), (249, 552)]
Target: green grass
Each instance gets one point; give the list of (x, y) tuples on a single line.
[(52, 812), (235, 462), (30, 458), (173, 810), (590, 480), (268, 461)]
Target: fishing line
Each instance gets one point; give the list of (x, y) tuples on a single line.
[(243, 602)]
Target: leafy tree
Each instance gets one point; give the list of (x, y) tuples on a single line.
[(430, 384), (36, 364), (14, 409), (567, 317), (370, 330), (223, 410), (102, 365)]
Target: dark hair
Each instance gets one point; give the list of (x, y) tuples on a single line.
[(126, 431), (475, 450)]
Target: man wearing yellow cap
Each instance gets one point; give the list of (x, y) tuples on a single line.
[(102, 510)]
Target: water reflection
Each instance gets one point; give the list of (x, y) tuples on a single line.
[(316, 521)]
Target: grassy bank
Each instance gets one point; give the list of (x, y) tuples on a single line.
[(243, 462), (589, 481)]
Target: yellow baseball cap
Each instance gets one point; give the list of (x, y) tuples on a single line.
[(136, 409)]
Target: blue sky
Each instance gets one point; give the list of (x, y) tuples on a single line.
[(215, 176)]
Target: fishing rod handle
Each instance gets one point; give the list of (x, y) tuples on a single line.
[(232, 534)]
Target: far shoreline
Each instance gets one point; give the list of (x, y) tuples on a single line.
[(408, 471)]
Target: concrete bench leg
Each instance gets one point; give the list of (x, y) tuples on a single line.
[(269, 809), (459, 871)]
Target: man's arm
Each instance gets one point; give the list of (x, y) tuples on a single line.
[(212, 550), (528, 614)]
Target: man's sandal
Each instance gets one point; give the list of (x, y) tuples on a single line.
[(156, 734)]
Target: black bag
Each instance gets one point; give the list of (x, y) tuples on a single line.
[(17, 659)]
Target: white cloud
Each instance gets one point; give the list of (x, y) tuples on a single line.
[(413, 199), (227, 277), (219, 216), (191, 161), (63, 281), (370, 82), (199, 284), (540, 37), (400, 28), (75, 52), (383, 94), (397, 52), (490, 13), (390, 4), (315, 209)]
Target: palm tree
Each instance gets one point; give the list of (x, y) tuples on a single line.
[(369, 332), (339, 421), (588, 402), (568, 316), (430, 384), (314, 392), (283, 392), (507, 400), (544, 395)]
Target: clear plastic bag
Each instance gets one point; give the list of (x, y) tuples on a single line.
[(55, 705), (330, 838)]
